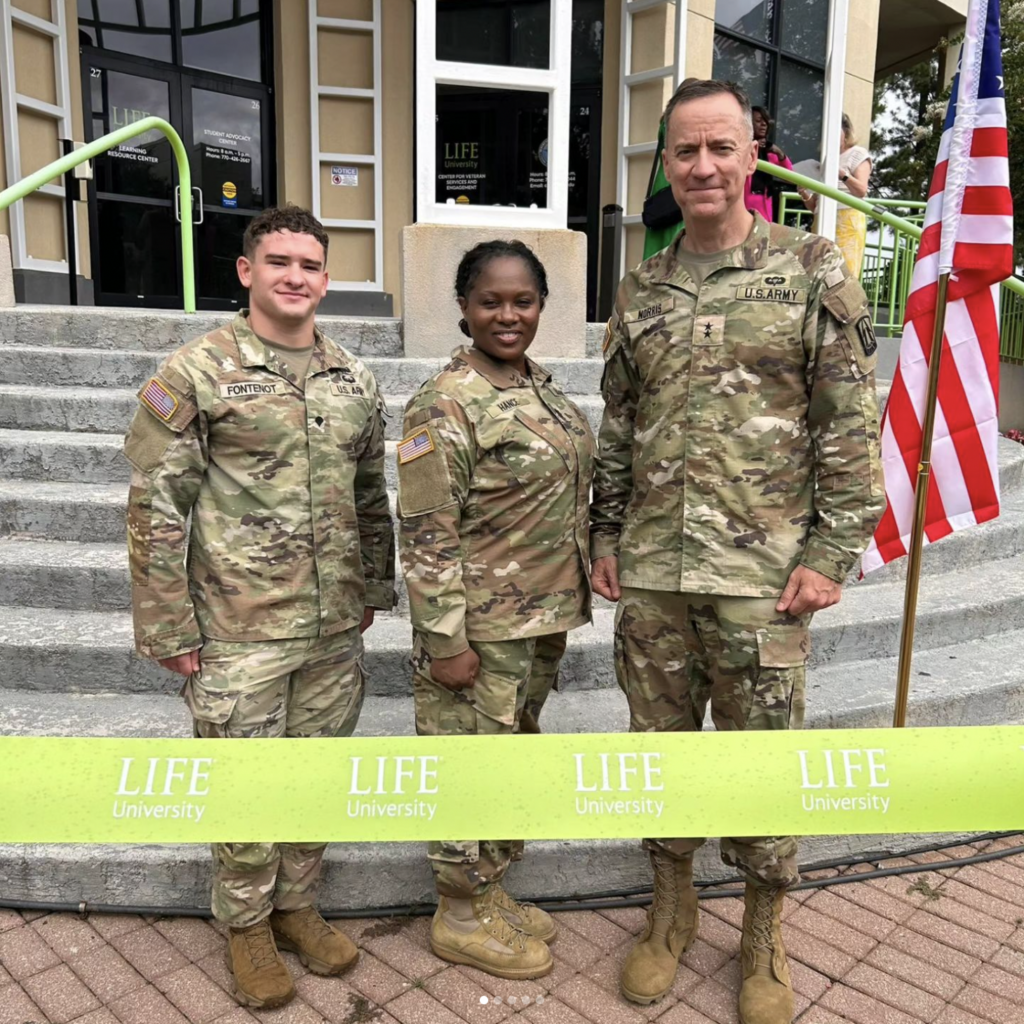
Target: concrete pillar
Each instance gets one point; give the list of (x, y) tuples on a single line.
[(430, 313), (6, 274)]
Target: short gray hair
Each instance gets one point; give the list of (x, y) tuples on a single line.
[(699, 88)]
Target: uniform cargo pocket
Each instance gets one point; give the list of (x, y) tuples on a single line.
[(779, 691), (206, 705)]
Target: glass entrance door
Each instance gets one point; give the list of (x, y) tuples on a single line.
[(134, 234), (225, 128)]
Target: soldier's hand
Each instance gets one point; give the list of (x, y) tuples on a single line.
[(456, 673), (604, 577), (808, 591), (367, 620), (183, 664)]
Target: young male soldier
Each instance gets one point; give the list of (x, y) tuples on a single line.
[(737, 481), (271, 435)]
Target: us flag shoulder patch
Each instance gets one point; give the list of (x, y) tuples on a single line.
[(159, 399), (415, 446)]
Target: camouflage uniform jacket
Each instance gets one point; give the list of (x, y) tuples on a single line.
[(494, 481), (740, 433), (291, 533)]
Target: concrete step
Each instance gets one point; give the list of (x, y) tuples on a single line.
[(51, 455), (94, 576), (52, 650), (109, 410), (159, 330), (78, 510), (978, 683), (51, 366), (56, 456)]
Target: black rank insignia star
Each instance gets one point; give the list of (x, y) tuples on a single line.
[(707, 329)]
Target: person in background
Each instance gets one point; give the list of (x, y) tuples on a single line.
[(761, 189), (854, 172), (494, 477)]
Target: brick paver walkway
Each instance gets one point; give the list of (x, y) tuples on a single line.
[(930, 948)]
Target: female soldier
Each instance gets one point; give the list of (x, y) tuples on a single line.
[(494, 477)]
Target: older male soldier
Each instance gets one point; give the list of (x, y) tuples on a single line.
[(737, 481), (271, 435)]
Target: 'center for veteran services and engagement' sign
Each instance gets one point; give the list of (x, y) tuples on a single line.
[(566, 786)]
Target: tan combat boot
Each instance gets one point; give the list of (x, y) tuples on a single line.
[(320, 946), (475, 932), (651, 966), (767, 993), (261, 979), (525, 916)]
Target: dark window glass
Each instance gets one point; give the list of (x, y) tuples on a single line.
[(587, 42), (228, 151), (514, 33), (140, 29), (222, 36), (138, 250), (492, 146), (218, 246), (751, 17), (142, 165), (801, 93), (745, 65), (805, 28)]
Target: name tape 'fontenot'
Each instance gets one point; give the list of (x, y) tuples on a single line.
[(591, 786)]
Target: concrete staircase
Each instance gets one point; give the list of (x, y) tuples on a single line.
[(67, 389)]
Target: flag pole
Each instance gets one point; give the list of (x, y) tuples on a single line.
[(899, 719)]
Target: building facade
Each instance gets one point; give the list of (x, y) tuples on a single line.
[(509, 116)]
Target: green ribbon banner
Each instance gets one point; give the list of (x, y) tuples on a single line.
[(567, 786)]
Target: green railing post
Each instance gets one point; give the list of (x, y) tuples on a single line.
[(99, 146)]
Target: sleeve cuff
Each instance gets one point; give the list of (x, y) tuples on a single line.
[(380, 595), (441, 646), (827, 558), (604, 545), (160, 647)]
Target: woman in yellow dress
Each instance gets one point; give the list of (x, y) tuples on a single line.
[(854, 172)]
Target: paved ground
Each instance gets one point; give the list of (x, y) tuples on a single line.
[(929, 948)]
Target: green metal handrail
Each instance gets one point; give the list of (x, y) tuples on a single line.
[(902, 261), (97, 147)]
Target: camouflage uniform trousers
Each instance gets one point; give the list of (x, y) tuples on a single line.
[(676, 653), (272, 689), (513, 675)]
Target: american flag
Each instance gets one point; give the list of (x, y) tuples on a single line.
[(413, 447), (159, 399), (968, 231)]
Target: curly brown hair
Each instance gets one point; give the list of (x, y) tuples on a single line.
[(283, 218)]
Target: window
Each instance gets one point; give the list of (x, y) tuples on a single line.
[(224, 36), (775, 51)]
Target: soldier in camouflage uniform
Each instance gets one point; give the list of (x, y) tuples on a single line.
[(737, 480), (271, 436), (494, 477)]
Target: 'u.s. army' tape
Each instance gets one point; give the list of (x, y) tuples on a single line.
[(592, 786)]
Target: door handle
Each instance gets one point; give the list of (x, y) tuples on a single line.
[(195, 205)]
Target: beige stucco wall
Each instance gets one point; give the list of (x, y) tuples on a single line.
[(858, 87), (35, 74), (346, 126)]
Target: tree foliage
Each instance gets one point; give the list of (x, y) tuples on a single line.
[(909, 109)]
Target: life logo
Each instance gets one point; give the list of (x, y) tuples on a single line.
[(844, 780), (404, 776), (163, 787), (229, 194), (619, 783)]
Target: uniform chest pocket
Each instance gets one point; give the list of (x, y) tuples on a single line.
[(533, 452)]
